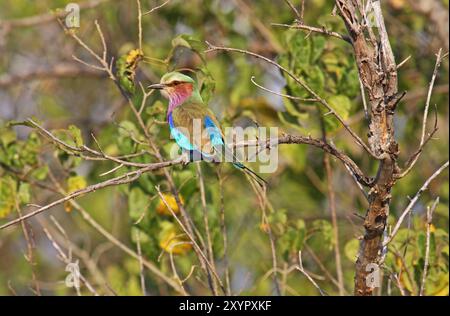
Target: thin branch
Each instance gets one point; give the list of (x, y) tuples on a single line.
[(61, 237), (29, 256), (363, 97), (423, 139), (64, 258), (404, 61), (252, 79), (138, 2), (294, 9), (302, 270), (57, 71), (47, 17), (157, 7), (413, 202), (332, 207), (223, 229), (430, 211), (98, 155), (141, 262), (95, 225), (327, 147), (314, 29), (212, 48), (323, 268), (194, 243), (123, 179), (208, 246)]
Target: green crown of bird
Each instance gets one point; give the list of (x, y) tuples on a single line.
[(193, 125)]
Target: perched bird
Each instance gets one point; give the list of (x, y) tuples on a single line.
[(193, 125)]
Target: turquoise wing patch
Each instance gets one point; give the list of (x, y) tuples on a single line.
[(179, 137), (215, 136)]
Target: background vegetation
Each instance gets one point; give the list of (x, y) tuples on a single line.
[(39, 78)]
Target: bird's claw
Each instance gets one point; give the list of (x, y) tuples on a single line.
[(185, 159)]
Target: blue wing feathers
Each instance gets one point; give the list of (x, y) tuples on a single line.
[(215, 134), (179, 137)]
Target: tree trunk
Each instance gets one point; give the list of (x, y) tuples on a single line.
[(378, 74)]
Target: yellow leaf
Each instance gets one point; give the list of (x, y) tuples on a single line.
[(162, 209), (133, 57), (74, 183), (432, 228), (442, 292), (173, 241), (7, 196)]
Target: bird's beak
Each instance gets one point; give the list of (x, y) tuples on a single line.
[(158, 86)]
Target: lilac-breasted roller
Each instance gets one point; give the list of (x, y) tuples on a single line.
[(193, 125)]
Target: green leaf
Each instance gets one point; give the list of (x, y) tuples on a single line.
[(137, 203), (126, 68), (7, 136), (19, 123), (278, 217), (315, 78), (299, 48), (318, 48), (76, 183), (24, 193), (342, 105), (40, 173), (7, 195), (351, 249), (76, 135), (325, 231), (350, 83), (191, 42)]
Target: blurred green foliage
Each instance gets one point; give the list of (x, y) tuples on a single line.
[(298, 217)]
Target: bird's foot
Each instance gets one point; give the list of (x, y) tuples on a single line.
[(185, 158)]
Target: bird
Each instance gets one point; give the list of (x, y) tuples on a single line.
[(193, 125)]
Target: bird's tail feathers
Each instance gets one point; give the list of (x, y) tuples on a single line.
[(251, 173), (231, 157)]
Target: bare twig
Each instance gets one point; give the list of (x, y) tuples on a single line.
[(194, 243), (294, 9), (413, 202), (314, 29), (332, 207), (404, 61), (61, 70), (47, 17), (123, 179), (87, 217), (141, 263), (208, 246), (212, 48), (138, 2), (302, 270), (252, 79), (29, 256), (223, 229), (156, 8), (430, 211), (64, 258), (424, 138)]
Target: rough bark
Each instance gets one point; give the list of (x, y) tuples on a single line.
[(378, 73)]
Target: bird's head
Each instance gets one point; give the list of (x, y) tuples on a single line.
[(177, 87)]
